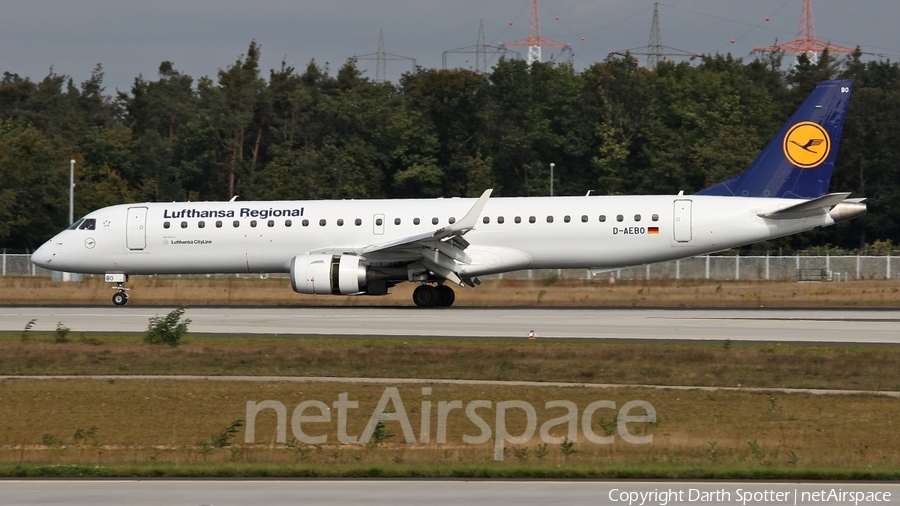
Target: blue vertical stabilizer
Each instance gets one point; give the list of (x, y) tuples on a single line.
[(798, 162)]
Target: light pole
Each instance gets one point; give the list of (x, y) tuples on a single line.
[(551, 178), (67, 276), (71, 192)]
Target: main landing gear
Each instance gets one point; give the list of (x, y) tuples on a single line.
[(434, 296), (121, 295)]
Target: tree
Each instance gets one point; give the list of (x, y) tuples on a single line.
[(34, 193)]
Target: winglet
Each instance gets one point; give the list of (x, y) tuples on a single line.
[(469, 220)]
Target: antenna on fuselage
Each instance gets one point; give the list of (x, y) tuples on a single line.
[(233, 198)]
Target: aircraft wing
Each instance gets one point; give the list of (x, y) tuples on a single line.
[(438, 251)]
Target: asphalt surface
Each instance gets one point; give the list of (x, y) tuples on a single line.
[(449, 492), (759, 325)]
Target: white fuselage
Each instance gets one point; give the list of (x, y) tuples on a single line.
[(254, 237)]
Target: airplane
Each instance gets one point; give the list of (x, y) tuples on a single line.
[(365, 247)]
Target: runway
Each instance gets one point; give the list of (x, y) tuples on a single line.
[(756, 325), (450, 492)]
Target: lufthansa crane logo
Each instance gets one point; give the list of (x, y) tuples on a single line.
[(807, 145)]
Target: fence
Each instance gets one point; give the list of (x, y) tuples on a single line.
[(751, 268), (714, 267)]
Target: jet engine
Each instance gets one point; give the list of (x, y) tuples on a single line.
[(318, 273)]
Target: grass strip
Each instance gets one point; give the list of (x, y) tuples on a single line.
[(726, 364), (477, 471), (148, 425)]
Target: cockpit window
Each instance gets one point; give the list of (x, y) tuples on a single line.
[(75, 225), (88, 224)]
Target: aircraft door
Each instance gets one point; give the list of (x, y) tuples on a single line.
[(682, 225), (136, 228), (378, 224)]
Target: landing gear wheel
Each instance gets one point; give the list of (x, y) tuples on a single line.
[(445, 297), (120, 298), (425, 296)]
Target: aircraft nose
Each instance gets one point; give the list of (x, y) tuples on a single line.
[(43, 256)]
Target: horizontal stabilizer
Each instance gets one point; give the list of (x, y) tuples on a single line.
[(812, 207)]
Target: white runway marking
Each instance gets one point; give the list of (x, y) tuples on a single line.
[(426, 381)]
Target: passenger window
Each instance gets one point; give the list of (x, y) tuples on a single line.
[(531, 219), (602, 218), (416, 221), (452, 220), (201, 224), (287, 223), (500, 220), (340, 222), (183, 224), (252, 223), (549, 219), (655, 217), (434, 221), (637, 217), (305, 223), (396, 221), (518, 219), (166, 224), (358, 222), (620, 218), (219, 224), (584, 219), (271, 223), (486, 220), (567, 218), (237, 223), (88, 224), (321, 223)]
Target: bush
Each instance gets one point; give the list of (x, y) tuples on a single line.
[(25, 336), (62, 333), (168, 329)]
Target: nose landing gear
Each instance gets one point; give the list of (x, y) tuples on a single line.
[(121, 295)]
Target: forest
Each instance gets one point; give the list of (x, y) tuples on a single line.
[(614, 127)]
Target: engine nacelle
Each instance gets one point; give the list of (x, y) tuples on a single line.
[(319, 273)]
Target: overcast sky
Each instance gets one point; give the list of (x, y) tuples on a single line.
[(132, 37)]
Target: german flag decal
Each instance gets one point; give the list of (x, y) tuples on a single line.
[(653, 230)]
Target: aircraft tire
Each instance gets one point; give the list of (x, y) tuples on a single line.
[(446, 296), (425, 296), (120, 298)]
